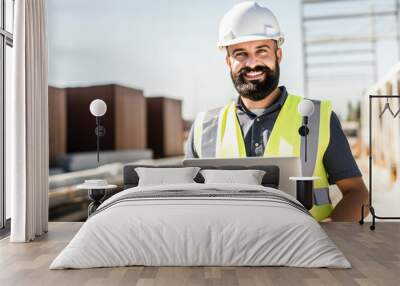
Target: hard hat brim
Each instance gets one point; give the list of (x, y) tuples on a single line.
[(249, 38)]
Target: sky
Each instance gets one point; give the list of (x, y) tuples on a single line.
[(168, 48)]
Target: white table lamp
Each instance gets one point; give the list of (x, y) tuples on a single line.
[(306, 109), (98, 108)]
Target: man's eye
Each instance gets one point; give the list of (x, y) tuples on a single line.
[(263, 52), (240, 54)]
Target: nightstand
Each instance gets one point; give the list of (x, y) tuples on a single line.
[(96, 195)]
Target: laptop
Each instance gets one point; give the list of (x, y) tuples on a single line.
[(288, 167)]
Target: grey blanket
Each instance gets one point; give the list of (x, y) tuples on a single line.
[(206, 193)]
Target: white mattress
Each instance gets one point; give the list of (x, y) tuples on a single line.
[(204, 231)]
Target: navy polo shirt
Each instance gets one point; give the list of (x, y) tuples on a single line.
[(257, 124)]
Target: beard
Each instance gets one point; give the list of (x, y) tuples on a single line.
[(256, 89)]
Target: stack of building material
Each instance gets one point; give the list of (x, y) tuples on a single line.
[(125, 120), (132, 122), (71, 125), (57, 123), (166, 130)]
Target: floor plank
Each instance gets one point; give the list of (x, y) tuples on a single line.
[(374, 255)]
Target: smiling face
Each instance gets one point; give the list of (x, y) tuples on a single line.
[(254, 68)]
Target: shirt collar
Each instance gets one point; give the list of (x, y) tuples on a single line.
[(277, 104)]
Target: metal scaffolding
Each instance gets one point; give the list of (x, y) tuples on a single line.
[(327, 44)]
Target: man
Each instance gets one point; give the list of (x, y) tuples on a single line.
[(264, 121)]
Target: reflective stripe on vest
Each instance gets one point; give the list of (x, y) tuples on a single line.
[(219, 135)]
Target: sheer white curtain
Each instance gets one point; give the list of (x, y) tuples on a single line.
[(27, 123)]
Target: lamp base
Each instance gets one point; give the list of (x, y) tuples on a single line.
[(304, 193)]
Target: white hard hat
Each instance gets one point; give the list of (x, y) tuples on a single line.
[(248, 21)]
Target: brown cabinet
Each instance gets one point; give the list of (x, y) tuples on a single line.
[(165, 126)]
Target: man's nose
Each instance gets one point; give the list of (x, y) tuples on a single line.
[(251, 62)]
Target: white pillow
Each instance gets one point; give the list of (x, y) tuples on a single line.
[(249, 177), (162, 176)]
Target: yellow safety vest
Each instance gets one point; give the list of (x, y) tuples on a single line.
[(217, 134)]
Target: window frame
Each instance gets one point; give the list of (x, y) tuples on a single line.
[(6, 39)]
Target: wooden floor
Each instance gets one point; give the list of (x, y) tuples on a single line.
[(375, 256)]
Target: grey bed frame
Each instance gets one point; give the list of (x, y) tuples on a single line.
[(270, 179)]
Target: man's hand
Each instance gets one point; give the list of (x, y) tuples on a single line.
[(355, 194)]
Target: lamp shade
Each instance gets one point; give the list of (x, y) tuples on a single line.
[(306, 107), (98, 107)]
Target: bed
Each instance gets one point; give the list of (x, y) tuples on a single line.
[(201, 224)]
